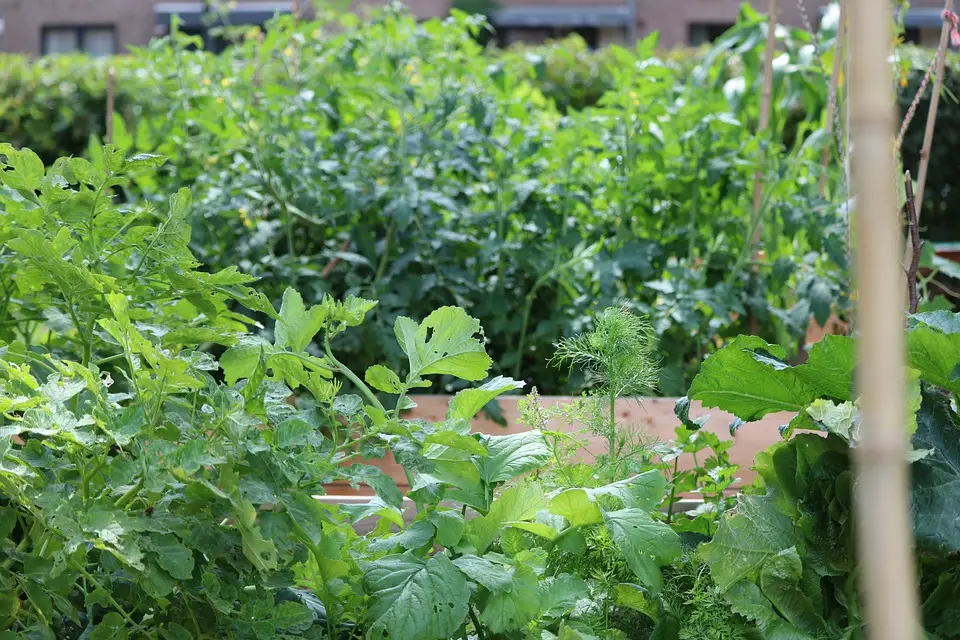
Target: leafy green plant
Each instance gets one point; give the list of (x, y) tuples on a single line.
[(618, 361), (153, 489), (784, 556), (457, 183)]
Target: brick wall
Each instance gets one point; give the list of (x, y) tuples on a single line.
[(134, 19)]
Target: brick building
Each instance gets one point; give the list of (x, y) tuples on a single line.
[(106, 26)]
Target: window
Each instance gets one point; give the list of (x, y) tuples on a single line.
[(701, 33), (911, 35), (95, 40)]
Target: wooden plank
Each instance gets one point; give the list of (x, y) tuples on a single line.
[(652, 417)]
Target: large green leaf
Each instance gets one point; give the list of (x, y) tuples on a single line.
[(780, 582), (645, 543), (512, 608), (443, 344), (829, 367), (748, 379), (935, 479), (577, 507), (415, 599), (511, 455), (559, 594), (642, 491), (468, 402), (297, 324), (745, 540), (517, 504), (493, 576), (934, 352), (747, 600)]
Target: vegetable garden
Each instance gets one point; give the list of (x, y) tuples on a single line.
[(218, 308)]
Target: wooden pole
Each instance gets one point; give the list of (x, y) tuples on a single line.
[(110, 106), (884, 529), (766, 98), (932, 112), (833, 97)]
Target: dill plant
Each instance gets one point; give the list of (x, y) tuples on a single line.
[(618, 359)]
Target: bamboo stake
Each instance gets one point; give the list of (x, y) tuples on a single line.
[(913, 238), (832, 97), (932, 112), (885, 537), (766, 98), (110, 106)]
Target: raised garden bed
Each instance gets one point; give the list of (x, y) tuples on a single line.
[(654, 417)]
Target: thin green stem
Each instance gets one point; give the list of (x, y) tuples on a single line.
[(352, 377), (612, 455), (673, 489), (521, 343), (116, 605), (476, 623), (385, 257)]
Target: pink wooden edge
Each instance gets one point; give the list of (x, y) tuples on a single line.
[(653, 418)]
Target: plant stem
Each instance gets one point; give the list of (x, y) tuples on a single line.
[(351, 376), (914, 245), (523, 331), (612, 455), (385, 258), (673, 489), (476, 622), (932, 112), (766, 98), (832, 93)]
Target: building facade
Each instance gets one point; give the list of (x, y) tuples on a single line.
[(102, 27)]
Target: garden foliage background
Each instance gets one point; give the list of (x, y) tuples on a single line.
[(208, 322), (530, 186)]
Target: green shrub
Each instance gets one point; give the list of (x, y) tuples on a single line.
[(397, 160)]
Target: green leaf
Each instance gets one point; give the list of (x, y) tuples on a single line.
[(443, 344), (261, 553), (935, 479), (240, 361), (513, 608), (637, 598), (448, 438), (517, 504), (417, 535), (144, 161), (512, 455), (415, 599), (111, 627), (645, 543), (297, 325), (493, 576), (383, 379), (735, 380), (307, 514), (559, 594), (934, 351), (175, 632), (450, 526), (840, 419), (291, 617), (468, 402), (756, 532), (642, 491), (172, 556), (780, 581), (829, 367), (576, 506), (350, 312)]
